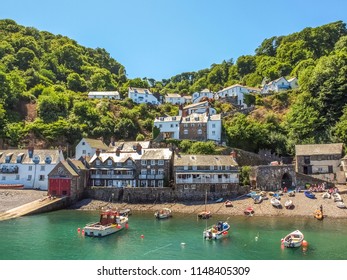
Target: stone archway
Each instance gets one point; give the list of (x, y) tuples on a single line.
[(286, 180)]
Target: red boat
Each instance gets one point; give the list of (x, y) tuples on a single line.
[(228, 203), (11, 186), (249, 211)]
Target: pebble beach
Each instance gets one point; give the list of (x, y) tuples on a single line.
[(303, 206)]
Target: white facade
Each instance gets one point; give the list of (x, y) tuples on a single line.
[(104, 94), (142, 95), (279, 85), (197, 96), (237, 91), (199, 108), (28, 167), (174, 98), (87, 147), (214, 128), (169, 126)]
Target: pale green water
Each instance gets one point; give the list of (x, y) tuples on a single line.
[(54, 236)]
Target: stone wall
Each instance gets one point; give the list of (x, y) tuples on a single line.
[(303, 179)]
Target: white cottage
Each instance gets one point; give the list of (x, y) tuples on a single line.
[(174, 98), (87, 147), (206, 93), (142, 95), (169, 126), (279, 84), (104, 94), (237, 92)]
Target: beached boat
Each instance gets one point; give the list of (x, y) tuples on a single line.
[(271, 193), (341, 205), (275, 202), (11, 186), (326, 195), (293, 239), (205, 215), (216, 231), (277, 195), (251, 194), (219, 200), (337, 197), (309, 194), (318, 214), (249, 211), (291, 193), (228, 203), (110, 222), (257, 199), (163, 213), (289, 204)]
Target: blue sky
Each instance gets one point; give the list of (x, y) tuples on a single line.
[(159, 39)]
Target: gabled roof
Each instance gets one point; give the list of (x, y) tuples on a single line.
[(157, 154), (53, 154), (69, 168), (319, 149), (204, 160), (173, 95), (199, 104), (128, 146), (140, 90), (96, 143)]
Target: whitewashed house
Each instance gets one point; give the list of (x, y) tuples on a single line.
[(214, 128), (198, 108), (29, 168), (187, 99), (142, 95), (237, 92), (279, 84), (174, 98), (87, 147), (197, 96), (169, 126), (104, 94)]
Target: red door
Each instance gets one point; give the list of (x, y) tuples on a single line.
[(59, 186)]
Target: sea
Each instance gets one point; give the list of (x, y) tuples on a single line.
[(58, 236)]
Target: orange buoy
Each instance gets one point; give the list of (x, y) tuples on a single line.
[(304, 243), (78, 230), (126, 226), (83, 231)]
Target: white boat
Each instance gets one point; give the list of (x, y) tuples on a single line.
[(216, 231), (337, 197), (110, 222), (341, 205), (275, 202), (257, 199), (326, 195), (288, 204), (291, 193), (163, 213), (293, 239)]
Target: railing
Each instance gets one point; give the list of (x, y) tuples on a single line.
[(210, 181), (98, 176)]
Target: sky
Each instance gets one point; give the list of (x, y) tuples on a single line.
[(163, 38)]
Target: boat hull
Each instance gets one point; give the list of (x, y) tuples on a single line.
[(293, 239), (214, 234), (99, 230)]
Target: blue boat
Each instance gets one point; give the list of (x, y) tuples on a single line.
[(310, 194)]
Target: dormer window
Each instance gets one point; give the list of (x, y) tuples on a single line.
[(36, 159), (8, 159), (97, 162), (83, 143), (48, 159), (109, 162), (129, 162)]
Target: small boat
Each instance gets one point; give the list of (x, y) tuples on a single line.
[(249, 211), (251, 194), (216, 231), (309, 194), (318, 214), (163, 213), (219, 200), (125, 212), (277, 196), (257, 199), (293, 239), (341, 205), (271, 193), (291, 193), (205, 215), (326, 195), (110, 222), (228, 203), (275, 202), (263, 194), (337, 197), (289, 204)]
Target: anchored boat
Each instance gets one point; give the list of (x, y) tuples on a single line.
[(293, 239), (216, 231)]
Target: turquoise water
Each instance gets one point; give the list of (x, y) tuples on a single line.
[(54, 236)]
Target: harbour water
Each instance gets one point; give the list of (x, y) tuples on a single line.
[(54, 236)]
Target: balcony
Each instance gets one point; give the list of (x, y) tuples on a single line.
[(207, 180), (9, 169), (111, 177)]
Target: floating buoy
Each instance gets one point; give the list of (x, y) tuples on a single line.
[(126, 226), (78, 230), (119, 226), (142, 236), (304, 243), (256, 238), (183, 244), (83, 231), (282, 240), (225, 233)]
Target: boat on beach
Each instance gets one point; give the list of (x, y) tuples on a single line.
[(249, 211), (110, 222), (228, 203), (205, 215), (341, 205), (163, 213), (216, 231), (337, 197), (309, 194), (289, 204), (326, 195), (275, 202), (293, 239), (257, 199), (291, 193)]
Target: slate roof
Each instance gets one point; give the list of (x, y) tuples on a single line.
[(319, 149), (25, 159), (96, 144), (204, 160)]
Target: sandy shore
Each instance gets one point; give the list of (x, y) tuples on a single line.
[(303, 206)]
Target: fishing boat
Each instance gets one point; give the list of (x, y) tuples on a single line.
[(318, 214), (249, 211), (216, 231), (205, 215), (228, 203), (110, 222), (219, 200), (293, 239), (163, 213), (326, 195), (309, 194), (337, 197), (289, 204), (275, 202), (341, 205), (257, 199)]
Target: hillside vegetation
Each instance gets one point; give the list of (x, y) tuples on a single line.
[(45, 78)]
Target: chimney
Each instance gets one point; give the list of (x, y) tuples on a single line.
[(180, 107), (233, 154), (118, 152), (138, 148), (31, 152), (97, 152), (207, 111), (112, 141)]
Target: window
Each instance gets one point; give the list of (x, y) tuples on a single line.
[(330, 169), (3, 178), (307, 160), (109, 172), (185, 167), (7, 159), (119, 164), (29, 177), (192, 125), (84, 152), (171, 125), (83, 143), (143, 162), (30, 168), (185, 131), (152, 183), (109, 162), (129, 162), (213, 132), (97, 162), (211, 167), (160, 183), (160, 126), (143, 171), (42, 168), (48, 159), (42, 178), (152, 162), (213, 125), (17, 177), (160, 162), (199, 131), (185, 125), (153, 171), (160, 171)]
